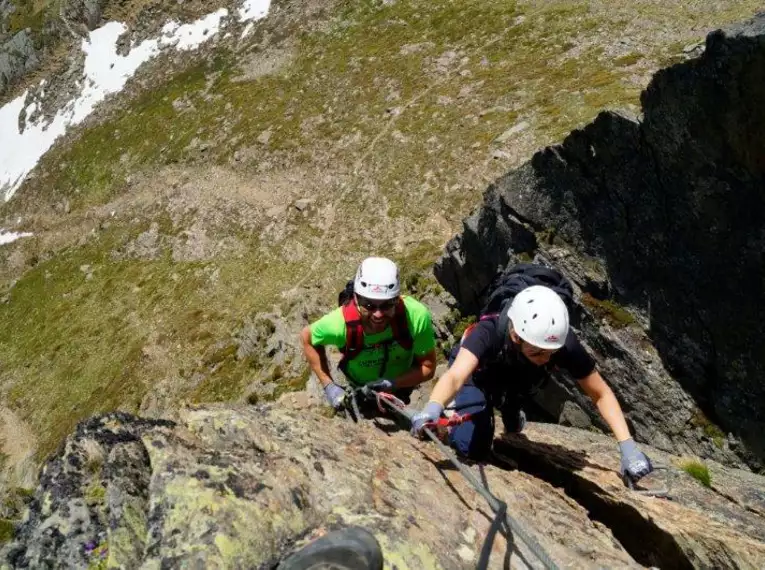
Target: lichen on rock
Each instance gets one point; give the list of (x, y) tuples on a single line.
[(245, 486)]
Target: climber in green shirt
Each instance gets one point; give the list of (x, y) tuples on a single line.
[(387, 339)]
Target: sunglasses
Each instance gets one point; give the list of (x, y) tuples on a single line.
[(372, 306)]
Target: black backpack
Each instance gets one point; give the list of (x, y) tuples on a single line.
[(517, 278)]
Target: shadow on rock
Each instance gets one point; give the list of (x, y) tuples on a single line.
[(520, 449)]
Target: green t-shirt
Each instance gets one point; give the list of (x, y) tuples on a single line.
[(330, 331)]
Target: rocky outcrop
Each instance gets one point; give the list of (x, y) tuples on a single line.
[(660, 223), (6, 9), (243, 487), (84, 15), (23, 52), (17, 57)]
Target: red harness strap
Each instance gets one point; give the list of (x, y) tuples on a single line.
[(354, 330), (453, 420)]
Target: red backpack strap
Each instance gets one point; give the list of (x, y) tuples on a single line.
[(354, 332), (400, 324), (467, 332), (472, 326)]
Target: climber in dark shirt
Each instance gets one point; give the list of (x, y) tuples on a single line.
[(496, 369)]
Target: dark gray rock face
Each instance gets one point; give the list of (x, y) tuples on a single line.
[(17, 57), (667, 218)]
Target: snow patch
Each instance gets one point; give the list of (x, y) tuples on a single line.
[(10, 237), (105, 72), (247, 30), (253, 10), (191, 36)]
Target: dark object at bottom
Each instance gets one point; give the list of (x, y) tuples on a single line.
[(351, 548)]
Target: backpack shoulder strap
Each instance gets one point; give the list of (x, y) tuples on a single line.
[(354, 332), (346, 295), (503, 322), (400, 324)]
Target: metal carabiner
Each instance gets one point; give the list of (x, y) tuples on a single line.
[(662, 493)]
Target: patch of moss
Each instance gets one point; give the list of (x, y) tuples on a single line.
[(7, 530), (593, 265), (225, 353), (327, 412), (275, 374), (95, 493), (524, 257), (22, 19), (461, 325), (547, 236), (628, 59), (15, 501), (291, 384), (614, 314), (698, 471), (24, 492), (710, 429)]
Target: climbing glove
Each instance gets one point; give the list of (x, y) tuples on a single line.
[(382, 385), (430, 413), (335, 395), (635, 463)]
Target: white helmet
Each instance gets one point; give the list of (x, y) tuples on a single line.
[(540, 317), (377, 278)]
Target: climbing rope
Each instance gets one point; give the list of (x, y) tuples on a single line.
[(501, 517)]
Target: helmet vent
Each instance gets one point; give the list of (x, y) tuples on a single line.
[(534, 317)]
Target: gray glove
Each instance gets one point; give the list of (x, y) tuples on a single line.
[(382, 385), (335, 395), (430, 413), (635, 463)]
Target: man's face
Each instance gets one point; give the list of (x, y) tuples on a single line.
[(376, 314), (534, 354)]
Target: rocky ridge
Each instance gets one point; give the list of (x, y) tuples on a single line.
[(659, 224), (17, 57), (242, 487)]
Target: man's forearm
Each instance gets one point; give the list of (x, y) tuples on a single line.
[(317, 359), (419, 373), (319, 365)]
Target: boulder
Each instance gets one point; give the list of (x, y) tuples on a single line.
[(17, 57)]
